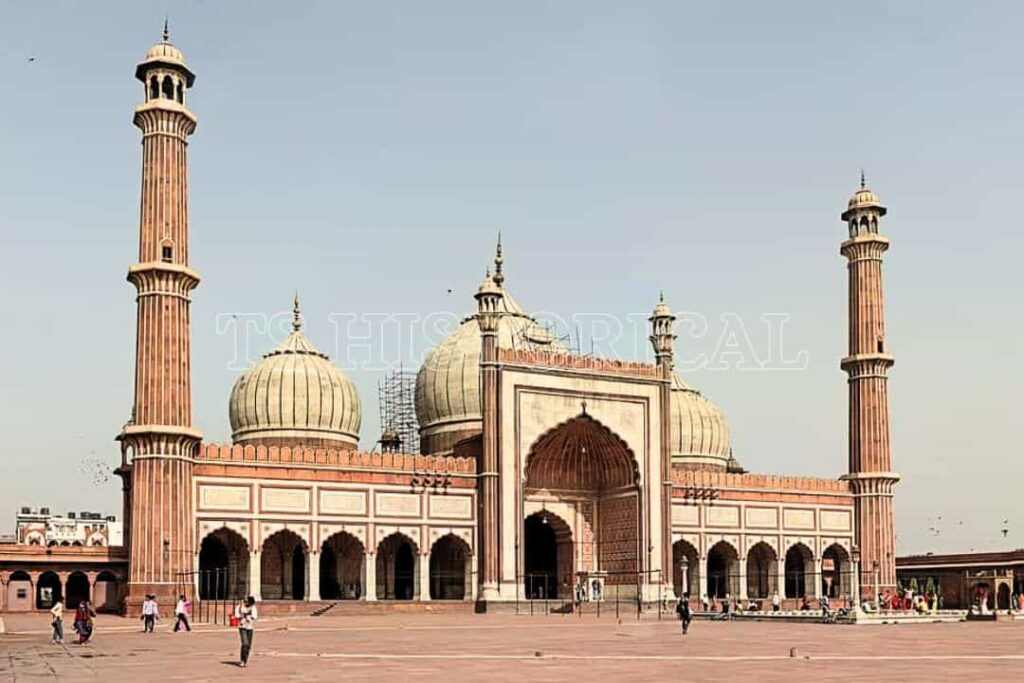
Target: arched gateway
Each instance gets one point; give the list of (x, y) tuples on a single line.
[(581, 500)]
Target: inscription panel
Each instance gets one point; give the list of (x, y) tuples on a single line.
[(798, 519), (722, 516), (762, 518), (284, 500), (451, 507), (685, 515), (342, 502), (213, 497), (398, 505), (835, 520)]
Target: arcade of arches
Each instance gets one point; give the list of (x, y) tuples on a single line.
[(584, 478), (40, 590), (720, 574), (285, 569)]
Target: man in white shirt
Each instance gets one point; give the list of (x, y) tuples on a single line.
[(150, 613)]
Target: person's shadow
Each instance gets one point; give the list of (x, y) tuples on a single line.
[(232, 662)]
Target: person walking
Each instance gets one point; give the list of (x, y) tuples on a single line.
[(181, 614), (776, 602), (684, 613), (246, 615), (150, 613), (57, 612)]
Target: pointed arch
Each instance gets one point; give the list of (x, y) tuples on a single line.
[(685, 569), (723, 578), (342, 567), (283, 566), (397, 565), (450, 568), (799, 570), (581, 454), (762, 571), (223, 565)]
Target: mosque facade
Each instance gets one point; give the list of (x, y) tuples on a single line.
[(540, 473)]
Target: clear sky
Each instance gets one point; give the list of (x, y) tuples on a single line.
[(366, 154)]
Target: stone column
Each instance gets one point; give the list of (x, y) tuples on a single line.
[(92, 586), (370, 577), (780, 579), (424, 568), (743, 592), (3, 591), (255, 589), (313, 577)]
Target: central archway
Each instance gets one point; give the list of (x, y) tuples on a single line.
[(341, 567), (396, 568), (548, 556), (583, 468)]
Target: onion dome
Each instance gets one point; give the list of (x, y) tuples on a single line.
[(448, 383), (699, 433), (167, 55), (295, 396)]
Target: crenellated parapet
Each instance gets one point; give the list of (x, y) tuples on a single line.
[(336, 458), (567, 361), (707, 479)]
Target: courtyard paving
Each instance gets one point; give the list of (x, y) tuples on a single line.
[(454, 647)]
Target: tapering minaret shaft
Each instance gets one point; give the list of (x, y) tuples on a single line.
[(663, 340), (160, 442), (871, 473)]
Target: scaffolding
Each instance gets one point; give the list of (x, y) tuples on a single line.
[(399, 430)]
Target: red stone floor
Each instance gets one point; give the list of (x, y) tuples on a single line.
[(454, 647)]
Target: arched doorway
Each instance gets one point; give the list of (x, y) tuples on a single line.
[(799, 566), (762, 571), (223, 566), (1003, 596), (449, 575), (106, 594), (835, 572), (77, 589), (341, 567), (584, 465), (723, 571), (547, 556), (690, 570), (19, 592), (49, 591), (396, 568), (283, 567)]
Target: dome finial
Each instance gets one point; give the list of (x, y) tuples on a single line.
[(296, 314), (499, 277), (167, 30), (863, 182)]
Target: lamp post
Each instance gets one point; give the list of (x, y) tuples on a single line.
[(855, 557), (875, 568)]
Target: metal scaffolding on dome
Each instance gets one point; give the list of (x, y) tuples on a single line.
[(400, 432)]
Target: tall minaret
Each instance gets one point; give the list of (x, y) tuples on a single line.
[(870, 475), (489, 304), (663, 339), (159, 443)]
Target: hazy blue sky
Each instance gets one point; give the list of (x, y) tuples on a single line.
[(367, 153)]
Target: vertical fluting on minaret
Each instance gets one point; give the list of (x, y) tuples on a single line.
[(871, 475), (663, 339), (159, 443), (488, 298)]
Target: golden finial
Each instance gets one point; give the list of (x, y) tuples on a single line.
[(499, 277), (167, 30), (863, 182), (296, 314)]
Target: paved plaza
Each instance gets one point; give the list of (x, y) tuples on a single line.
[(431, 647)]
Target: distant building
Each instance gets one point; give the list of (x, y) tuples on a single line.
[(962, 578), (43, 528)]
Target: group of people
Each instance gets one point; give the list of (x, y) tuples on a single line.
[(151, 613), (83, 624), (906, 600)]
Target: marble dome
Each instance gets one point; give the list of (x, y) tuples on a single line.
[(699, 433), (295, 396)]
